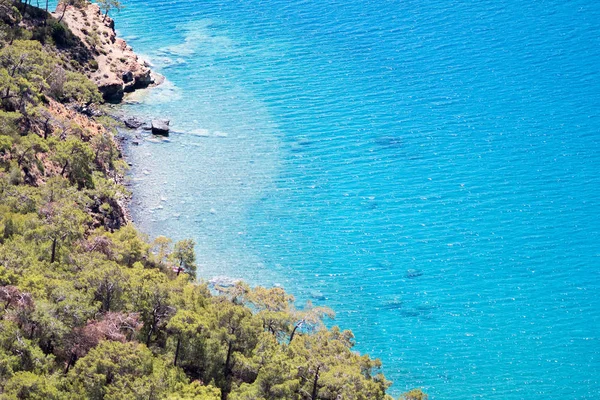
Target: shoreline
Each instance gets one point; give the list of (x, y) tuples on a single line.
[(121, 74)]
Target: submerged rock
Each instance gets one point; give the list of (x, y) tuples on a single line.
[(413, 273), (389, 141), (133, 122), (410, 313), (315, 294), (160, 127), (393, 304)]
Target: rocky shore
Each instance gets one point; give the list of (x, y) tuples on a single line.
[(117, 70)]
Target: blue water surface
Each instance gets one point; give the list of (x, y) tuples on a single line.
[(428, 169)]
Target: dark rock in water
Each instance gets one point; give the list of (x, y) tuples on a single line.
[(135, 142), (160, 127), (132, 122), (413, 273), (143, 80), (127, 77)]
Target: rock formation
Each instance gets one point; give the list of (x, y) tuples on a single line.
[(118, 69), (160, 127)]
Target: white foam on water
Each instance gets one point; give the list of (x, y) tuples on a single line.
[(200, 132)]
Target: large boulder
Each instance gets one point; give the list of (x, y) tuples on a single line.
[(111, 91), (160, 127), (143, 79), (132, 122)]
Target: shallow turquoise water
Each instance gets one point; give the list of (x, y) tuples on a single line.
[(429, 170)]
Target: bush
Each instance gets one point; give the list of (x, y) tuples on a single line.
[(40, 34), (59, 33), (15, 177), (9, 123), (62, 35), (27, 385), (80, 89)]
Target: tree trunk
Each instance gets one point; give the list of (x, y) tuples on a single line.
[(177, 351), (53, 257), (46, 128), (62, 172), (298, 325), (70, 362), (63, 13), (149, 335), (227, 372), (107, 300), (315, 389)]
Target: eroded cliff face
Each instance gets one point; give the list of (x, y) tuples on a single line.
[(117, 69)]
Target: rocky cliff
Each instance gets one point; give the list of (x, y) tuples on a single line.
[(117, 69)]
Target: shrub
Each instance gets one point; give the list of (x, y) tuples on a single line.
[(59, 33)]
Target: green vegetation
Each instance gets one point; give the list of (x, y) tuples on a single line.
[(63, 4), (88, 308), (108, 5)]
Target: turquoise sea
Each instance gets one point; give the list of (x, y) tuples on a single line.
[(428, 169)]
